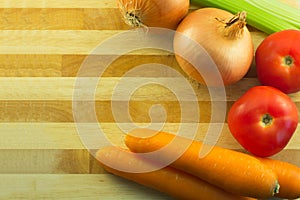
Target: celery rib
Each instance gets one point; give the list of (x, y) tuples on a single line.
[(282, 10), (268, 16)]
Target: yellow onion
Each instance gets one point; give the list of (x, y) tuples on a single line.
[(153, 13), (224, 37)]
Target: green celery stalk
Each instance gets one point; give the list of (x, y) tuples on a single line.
[(268, 16)]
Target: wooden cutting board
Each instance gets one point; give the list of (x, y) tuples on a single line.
[(43, 43)]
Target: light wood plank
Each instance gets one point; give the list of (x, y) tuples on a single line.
[(66, 42), (26, 65), (62, 136), (35, 19), (51, 41), (57, 4), (61, 19), (106, 187), (119, 67), (68, 18), (110, 88), (157, 89), (66, 136), (61, 111), (96, 19), (48, 161), (51, 65), (36, 111)]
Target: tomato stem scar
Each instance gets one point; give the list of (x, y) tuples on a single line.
[(288, 60), (266, 119)]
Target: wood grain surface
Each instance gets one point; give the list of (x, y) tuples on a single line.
[(43, 44)]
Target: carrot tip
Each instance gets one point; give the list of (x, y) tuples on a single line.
[(276, 189)]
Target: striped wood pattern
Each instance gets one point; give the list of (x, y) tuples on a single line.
[(42, 46)]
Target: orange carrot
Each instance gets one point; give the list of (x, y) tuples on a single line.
[(168, 180), (233, 171), (288, 177)]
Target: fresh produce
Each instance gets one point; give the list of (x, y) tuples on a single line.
[(263, 120), (153, 13), (288, 178), (224, 37), (265, 15), (233, 171), (278, 61), (171, 181)]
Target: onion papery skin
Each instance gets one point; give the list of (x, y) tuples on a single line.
[(232, 54), (154, 13)]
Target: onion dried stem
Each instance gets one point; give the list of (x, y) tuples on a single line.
[(234, 27), (131, 16)]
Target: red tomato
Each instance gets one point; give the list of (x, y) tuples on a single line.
[(278, 61), (263, 120)]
